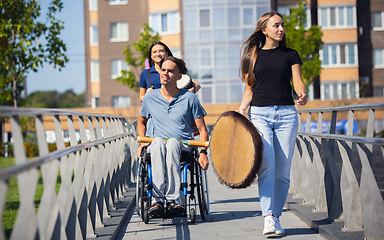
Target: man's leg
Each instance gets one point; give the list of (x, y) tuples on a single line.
[(173, 155), (158, 154)]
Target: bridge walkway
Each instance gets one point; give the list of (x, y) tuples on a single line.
[(234, 214)]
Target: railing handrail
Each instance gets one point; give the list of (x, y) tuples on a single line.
[(38, 161), (6, 111), (355, 139), (82, 181), (343, 108)]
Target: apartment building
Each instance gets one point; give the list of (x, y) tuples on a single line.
[(212, 36), (375, 11), (207, 34), (109, 26)]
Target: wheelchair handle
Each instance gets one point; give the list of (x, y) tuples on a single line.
[(194, 143)]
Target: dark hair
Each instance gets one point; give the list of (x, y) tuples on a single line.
[(251, 47), (150, 51), (179, 62)]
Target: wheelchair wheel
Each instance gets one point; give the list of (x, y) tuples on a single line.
[(199, 191), (146, 216), (142, 188), (193, 215), (204, 187), (138, 189)]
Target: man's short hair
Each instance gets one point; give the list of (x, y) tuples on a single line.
[(179, 62)]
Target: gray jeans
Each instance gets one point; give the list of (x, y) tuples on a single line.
[(165, 162)]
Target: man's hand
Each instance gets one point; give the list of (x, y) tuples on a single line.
[(140, 148), (203, 161)]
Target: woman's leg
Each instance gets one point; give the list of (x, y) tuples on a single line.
[(284, 143), (261, 118)]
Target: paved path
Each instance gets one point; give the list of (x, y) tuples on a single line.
[(235, 214)]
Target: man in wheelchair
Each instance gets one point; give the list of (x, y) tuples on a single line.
[(172, 112)]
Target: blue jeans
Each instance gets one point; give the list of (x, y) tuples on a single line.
[(278, 126)]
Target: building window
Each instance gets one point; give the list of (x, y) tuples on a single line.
[(378, 20), (121, 101), (341, 55), (286, 10), (119, 32), (248, 16), (337, 17), (92, 5), (94, 35), (118, 2), (344, 90), (379, 92), (378, 55), (205, 19), (176, 52), (117, 66), (95, 101), (165, 23), (95, 71)]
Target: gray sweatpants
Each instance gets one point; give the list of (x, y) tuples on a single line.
[(165, 162)]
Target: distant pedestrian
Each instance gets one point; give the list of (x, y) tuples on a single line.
[(267, 67)]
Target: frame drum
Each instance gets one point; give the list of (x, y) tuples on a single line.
[(236, 150)]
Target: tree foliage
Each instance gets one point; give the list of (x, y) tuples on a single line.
[(136, 62), (21, 42), (53, 99), (306, 41)]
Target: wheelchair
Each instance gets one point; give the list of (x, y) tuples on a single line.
[(197, 185)]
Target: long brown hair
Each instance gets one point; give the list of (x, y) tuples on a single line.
[(251, 47)]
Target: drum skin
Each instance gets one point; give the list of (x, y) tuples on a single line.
[(236, 150)]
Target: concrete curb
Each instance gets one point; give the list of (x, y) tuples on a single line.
[(317, 220)]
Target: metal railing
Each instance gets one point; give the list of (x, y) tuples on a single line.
[(341, 174), (91, 174)]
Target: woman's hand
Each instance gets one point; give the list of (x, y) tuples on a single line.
[(302, 99), (241, 110)]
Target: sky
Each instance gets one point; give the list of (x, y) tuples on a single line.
[(72, 76)]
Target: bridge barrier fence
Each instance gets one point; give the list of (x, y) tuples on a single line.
[(81, 182), (341, 174)]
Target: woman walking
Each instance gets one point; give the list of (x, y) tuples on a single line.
[(267, 67)]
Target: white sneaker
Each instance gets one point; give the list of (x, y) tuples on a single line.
[(269, 226), (279, 229)]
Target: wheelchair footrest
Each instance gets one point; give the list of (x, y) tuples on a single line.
[(169, 215)]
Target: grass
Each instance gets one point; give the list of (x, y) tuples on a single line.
[(12, 202)]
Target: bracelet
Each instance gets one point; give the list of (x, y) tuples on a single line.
[(203, 151)]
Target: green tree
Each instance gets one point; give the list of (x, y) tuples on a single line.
[(136, 62), (53, 99), (20, 47), (306, 41)]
